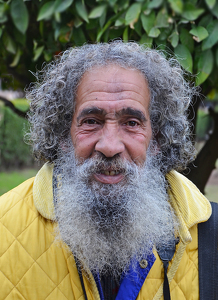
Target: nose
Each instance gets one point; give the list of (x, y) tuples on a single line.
[(110, 142)]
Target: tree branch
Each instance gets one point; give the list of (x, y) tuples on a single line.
[(17, 111)]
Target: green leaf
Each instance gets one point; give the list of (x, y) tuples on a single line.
[(9, 43), (210, 3), (212, 39), (119, 22), (19, 37), (47, 55), (162, 19), (19, 15), (132, 13), (186, 39), (2, 9), (97, 11), (46, 11), (103, 18), (16, 59), (200, 33), (3, 19), (3, 13), (146, 40), (215, 10), (205, 20), (1, 30), (191, 13), (184, 57), (57, 16), (78, 36), (81, 10), (78, 22), (37, 52), (155, 3), (125, 35), (138, 27), (154, 32), (62, 5), (148, 21), (165, 33), (109, 22), (174, 39), (205, 66), (112, 2), (176, 5)]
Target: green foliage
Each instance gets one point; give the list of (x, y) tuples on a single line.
[(187, 28), (9, 180), (18, 9), (184, 57), (14, 152), (204, 124)]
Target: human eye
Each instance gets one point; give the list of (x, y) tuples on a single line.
[(132, 123), (90, 122)]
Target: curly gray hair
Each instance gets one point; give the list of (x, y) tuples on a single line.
[(53, 98)]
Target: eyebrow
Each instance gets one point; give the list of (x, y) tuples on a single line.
[(91, 111), (128, 111)]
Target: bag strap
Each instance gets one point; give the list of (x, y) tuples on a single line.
[(166, 254), (208, 256)]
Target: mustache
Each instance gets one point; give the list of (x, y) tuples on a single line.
[(100, 163)]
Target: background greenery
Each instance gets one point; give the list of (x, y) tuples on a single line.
[(184, 28), (14, 153), (9, 180)]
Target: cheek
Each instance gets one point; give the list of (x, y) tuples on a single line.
[(137, 146), (84, 144)]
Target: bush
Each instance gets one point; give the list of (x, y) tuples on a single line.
[(203, 126), (14, 153)]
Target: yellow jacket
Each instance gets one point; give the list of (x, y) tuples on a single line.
[(34, 267)]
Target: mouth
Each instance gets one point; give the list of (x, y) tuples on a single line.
[(109, 176), (110, 173)]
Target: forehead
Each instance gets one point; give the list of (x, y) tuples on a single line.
[(112, 86)]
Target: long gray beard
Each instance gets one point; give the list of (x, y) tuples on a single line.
[(107, 226)]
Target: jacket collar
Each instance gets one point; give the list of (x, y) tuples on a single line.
[(190, 206), (43, 192)]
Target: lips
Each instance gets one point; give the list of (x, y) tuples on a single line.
[(109, 176)]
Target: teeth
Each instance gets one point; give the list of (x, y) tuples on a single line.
[(110, 173)]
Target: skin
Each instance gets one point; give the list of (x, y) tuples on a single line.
[(112, 117)]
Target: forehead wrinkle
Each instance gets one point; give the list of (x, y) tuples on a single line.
[(118, 95), (118, 84)]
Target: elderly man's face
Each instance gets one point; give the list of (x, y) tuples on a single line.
[(112, 117)]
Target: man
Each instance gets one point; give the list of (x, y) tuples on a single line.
[(110, 122)]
